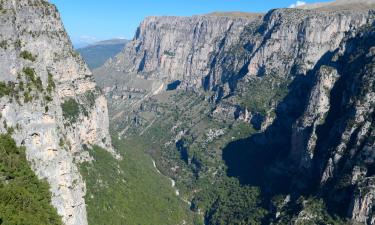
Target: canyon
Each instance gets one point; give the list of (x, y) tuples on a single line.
[(223, 118), (281, 101)]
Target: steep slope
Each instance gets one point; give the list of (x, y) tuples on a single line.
[(24, 199), (340, 4), (178, 48), (272, 108), (49, 100), (334, 140), (97, 54)]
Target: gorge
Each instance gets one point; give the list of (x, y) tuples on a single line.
[(222, 118)]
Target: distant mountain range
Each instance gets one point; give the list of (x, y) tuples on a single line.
[(97, 54)]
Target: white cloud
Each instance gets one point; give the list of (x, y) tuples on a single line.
[(298, 3)]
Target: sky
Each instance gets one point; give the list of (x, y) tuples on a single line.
[(89, 21)]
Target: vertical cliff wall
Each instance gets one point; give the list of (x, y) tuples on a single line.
[(180, 48), (50, 100), (301, 77)]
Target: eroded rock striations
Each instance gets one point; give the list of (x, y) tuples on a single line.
[(333, 140), (179, 48), (302, 77), (49, 100)]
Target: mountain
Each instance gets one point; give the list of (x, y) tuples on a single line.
[(52, 113), (259, 119), (97, 54), (340, 4)]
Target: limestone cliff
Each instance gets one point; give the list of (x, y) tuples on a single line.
[(179, 48), (333, 140), (50, 100), (301, 77)]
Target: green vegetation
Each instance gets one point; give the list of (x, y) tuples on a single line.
[(18, 44), (30, 74), (51, 83), (27, 97), (4, 43), (28, 56), (169, 53), (6, 89), (51, 86), (61, 142), (2, 10), (230, 203), (200, 172), (130, 191), (71, 110), (196, 161), (314, 211), (29, 83), (24, 199), (90, 99), (262, 94)]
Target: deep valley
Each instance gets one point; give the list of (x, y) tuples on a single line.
[(226, 118)]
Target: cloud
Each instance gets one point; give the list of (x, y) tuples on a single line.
[(298, 3)]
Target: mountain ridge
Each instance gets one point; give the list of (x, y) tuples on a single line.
[(96, 54), (274, 78), (50, 102)]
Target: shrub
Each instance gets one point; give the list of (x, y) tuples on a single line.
[(169, 53), (90, 98), (51, 83), (32, 80), (27, 97), (48, 98), (61, 142), (38, 84), (18, 44), (27, 56), (4, 43), (4, 89), (30, 74), (71, 110)]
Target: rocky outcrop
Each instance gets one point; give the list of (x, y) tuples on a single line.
[(334, 138), (40, 74), (312, 68), (209, 50), (179, 48)]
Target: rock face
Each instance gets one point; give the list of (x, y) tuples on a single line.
[(321, 127), (333, 139), (212, 50), (179, 48), (41, 72)]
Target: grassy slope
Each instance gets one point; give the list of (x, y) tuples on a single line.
[(204, 182), (130, 191)]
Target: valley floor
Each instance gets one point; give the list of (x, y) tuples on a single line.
[(130, 191)]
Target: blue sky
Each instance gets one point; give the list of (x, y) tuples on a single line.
[(88, 21)]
